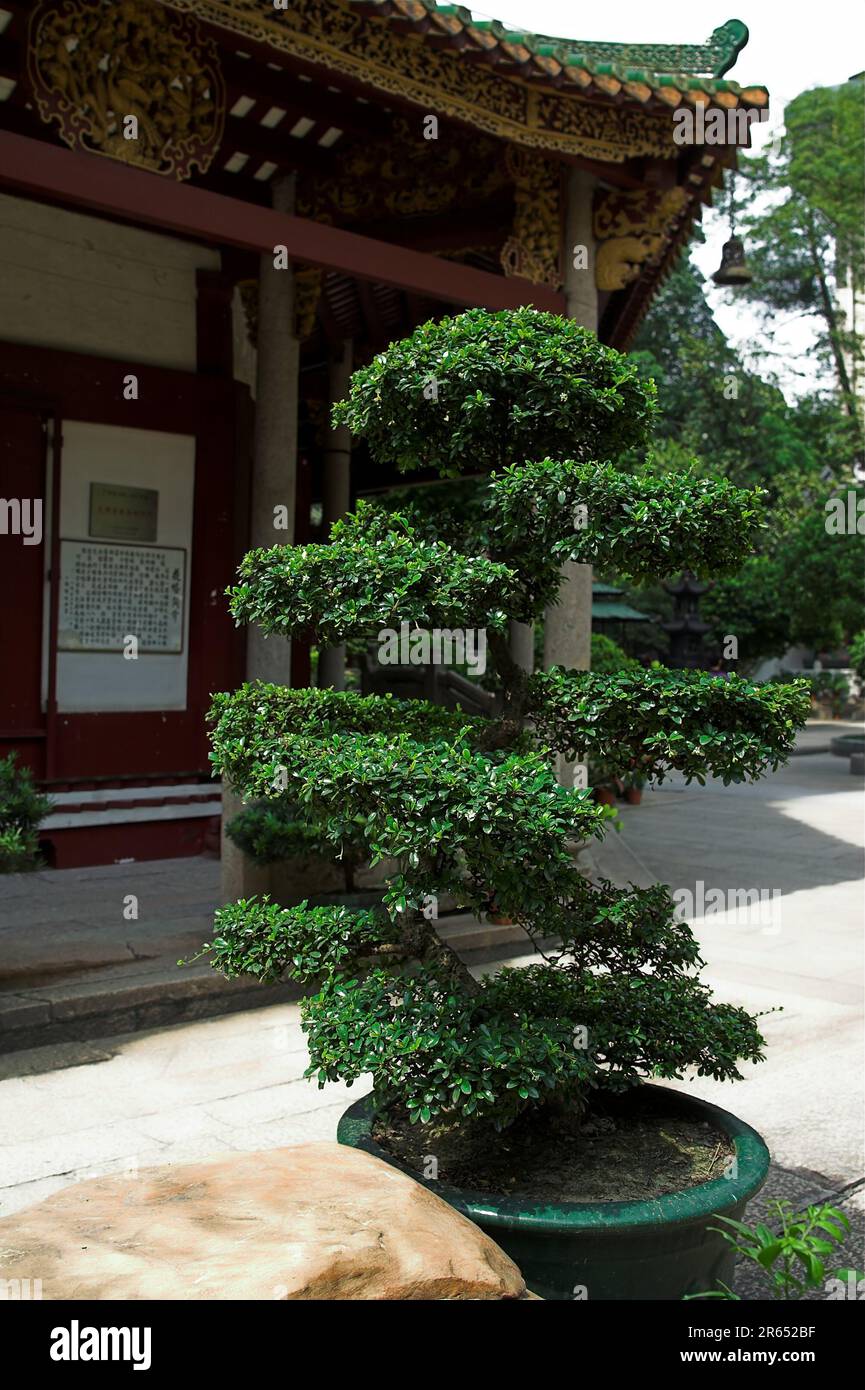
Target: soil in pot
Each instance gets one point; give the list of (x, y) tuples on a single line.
[(624, 1149)]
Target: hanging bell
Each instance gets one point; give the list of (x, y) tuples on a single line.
[(733, 269)]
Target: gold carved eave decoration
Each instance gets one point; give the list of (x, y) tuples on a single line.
[(128, 79), (633, 229), (533, 248), (372, 178), (328, 34)]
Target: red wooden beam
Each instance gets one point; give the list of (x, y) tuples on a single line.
[(102, 185)]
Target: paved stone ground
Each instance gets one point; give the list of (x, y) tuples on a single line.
[(55, 924), (74, 1110), (799, 832), (73, 967)]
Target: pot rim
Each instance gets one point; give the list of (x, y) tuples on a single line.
[(693, 1204)]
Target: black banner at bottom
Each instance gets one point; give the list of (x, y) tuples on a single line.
[(81, 1339)]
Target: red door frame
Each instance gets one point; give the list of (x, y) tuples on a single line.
[(53, 595)]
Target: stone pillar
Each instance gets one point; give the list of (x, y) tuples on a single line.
[(336, 494), (522, 645), (568, 623), (240, 877), (274, 479), (274, 483)]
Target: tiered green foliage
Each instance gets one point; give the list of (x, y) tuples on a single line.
[(471, 806)]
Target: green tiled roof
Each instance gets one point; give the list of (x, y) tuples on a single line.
[(710, 59), (618, 612), (639, 71)]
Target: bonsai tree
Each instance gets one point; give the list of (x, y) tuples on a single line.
[(535, 409)]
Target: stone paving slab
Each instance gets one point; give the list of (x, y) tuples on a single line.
[(77, 1110)]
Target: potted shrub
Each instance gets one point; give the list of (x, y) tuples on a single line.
[(604, 781), (520, 1097), (634, 783), (277, 832), (830, 692), (22, 809)]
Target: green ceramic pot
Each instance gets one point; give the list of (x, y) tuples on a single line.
[(653, 1250), (845, 745)]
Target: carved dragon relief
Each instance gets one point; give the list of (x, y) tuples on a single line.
[(129, 79), (632, 228), (533, 248), (373, 179)]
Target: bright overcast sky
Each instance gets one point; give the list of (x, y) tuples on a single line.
[(791, 47)]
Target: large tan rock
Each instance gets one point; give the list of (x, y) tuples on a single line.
[(315, 1221)]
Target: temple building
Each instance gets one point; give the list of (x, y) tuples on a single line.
[(211, 211)]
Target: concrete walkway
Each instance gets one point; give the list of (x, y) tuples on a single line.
[(123, 1102), (818, 734), (797, 834), (94, 951)]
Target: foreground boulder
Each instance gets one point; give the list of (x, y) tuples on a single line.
[(315, 1221)]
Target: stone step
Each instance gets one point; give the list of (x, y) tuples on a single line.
[(465, 933), (127, 1000), (147, 994)]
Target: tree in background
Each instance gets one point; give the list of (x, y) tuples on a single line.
[(804, 226), (718, 418)]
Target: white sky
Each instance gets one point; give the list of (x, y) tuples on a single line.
[(792, 46)]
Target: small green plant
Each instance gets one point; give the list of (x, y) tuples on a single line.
[(271, 831), (21, 810), (857, 658), (791, 1257), (608, 656)]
